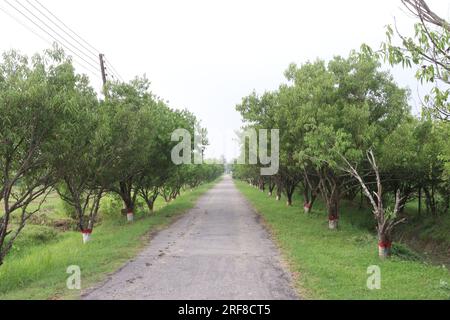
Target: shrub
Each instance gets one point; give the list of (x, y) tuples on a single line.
[(405, 253), (111, 206)]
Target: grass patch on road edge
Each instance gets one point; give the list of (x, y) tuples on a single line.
[(333, 264), (39, 273)]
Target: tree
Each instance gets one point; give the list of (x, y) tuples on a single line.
[(83, 158), (428, 49), (386, 218), (56, 134), (340, 108), (33, 107), (263, 112), (128, 130), (158, 166), (416, 169)]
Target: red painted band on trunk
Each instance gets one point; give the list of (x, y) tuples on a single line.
[(385, 245), (87, 231), (333, 218)]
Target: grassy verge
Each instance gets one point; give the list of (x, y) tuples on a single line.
[(428, 235), (334, 265), (39, 271)]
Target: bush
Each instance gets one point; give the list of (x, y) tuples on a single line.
[(141, 205), (404, 253), (111, 206)]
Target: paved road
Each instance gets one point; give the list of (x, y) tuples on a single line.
[(218, 250)]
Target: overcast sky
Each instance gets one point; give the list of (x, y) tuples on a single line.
[(205, 55)]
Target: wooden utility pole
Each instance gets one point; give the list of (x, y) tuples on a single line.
[(103, 70)]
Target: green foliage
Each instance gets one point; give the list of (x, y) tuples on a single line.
[(111, 206), (68, 210), (35, 103), (327, 111), (428, 51)]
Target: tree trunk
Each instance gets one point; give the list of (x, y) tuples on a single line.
[(151, 206), (279, 192), (384, 245), (129, 199), (150, 195), (289, 199), (361, 199), (420, 202), (290, 189), (310, 198), (271, 186), (92, 205), (333, 214), (430, 201), (262, 185), (86, 230), (86, 235)]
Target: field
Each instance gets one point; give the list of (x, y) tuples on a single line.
[(334, 264)]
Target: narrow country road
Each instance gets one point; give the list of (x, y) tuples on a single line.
[(218, 250)]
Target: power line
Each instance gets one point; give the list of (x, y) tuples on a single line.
[(106, 67), (45, 40), (110, 72), (68, 34), (45, 31), (55, 32), (114, 70), (71, 30)]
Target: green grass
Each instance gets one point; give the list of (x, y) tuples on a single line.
[(333, 264), (425, 228), (426, 234), (36, 269)]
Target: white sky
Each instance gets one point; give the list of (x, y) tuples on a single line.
[(205, 55)]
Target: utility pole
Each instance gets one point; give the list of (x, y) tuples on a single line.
[(103, 70)]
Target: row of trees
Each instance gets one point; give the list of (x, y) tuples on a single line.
[(346, 128), (348, 119), (56, 134)]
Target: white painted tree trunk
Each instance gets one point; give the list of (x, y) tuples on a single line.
[(307, 208), (384, 250), (333, 224), (130, 216), (86, 236)]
